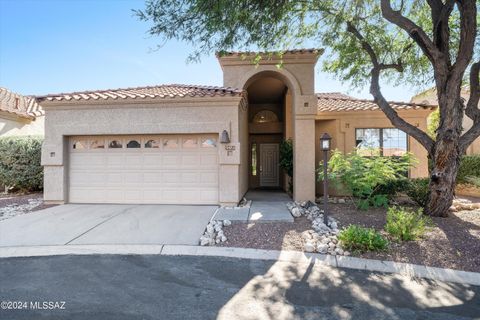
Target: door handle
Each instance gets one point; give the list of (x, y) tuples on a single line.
[(261, 169)]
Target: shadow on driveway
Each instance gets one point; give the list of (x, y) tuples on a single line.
[(173, 287)]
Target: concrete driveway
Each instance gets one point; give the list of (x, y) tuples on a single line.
[(107, 224)]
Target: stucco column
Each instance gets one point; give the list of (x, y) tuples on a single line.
[(304, 160), (304, 175)]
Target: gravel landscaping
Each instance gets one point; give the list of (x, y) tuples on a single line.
[(12, 205), (453, 242)]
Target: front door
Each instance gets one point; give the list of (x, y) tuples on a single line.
[(269, 171)]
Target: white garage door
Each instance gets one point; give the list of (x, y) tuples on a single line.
[(180, 169)]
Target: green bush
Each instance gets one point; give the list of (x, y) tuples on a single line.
[(286, 157), (469, 167), (406, 225), (365, 177), (356, 238), (390, 188), (473, 180), (286, 160), (20, 163), (417, 190)]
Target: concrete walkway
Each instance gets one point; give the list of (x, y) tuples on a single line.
[(107, 224), (268, 206)]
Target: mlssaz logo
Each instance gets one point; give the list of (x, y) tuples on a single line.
[(47, 305)]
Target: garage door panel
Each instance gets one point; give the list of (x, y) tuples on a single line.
[(116, 159), (134, 161), (152, 161), (171, 160), (173, 174)]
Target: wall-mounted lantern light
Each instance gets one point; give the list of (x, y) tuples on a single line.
[(325, 146), (224, 138)]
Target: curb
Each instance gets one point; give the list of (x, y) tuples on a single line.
[(411, 270)]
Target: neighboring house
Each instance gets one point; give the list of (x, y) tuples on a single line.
[(183, 144), (20, 115), (430, 97)]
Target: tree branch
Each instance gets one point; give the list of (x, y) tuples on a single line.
[(379, 99), (472, 110), (468, 33), (415, 31)]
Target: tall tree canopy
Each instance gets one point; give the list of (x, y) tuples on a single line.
[(368, 42)]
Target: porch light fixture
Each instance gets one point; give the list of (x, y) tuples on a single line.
[(325, 142), (325, 146), (224, 138)]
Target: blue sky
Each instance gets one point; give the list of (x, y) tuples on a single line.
[(51, 46)]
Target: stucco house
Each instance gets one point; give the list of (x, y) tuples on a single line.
[(182, 144), (20, 115), (430, 97)]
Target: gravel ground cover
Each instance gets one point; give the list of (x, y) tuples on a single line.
[(453, 242), (12, 205)]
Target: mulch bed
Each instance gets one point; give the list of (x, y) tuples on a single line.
[(453, 242)]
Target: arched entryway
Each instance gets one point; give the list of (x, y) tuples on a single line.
[(269, 123)]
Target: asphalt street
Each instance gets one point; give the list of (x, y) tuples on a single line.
[(174, 287)]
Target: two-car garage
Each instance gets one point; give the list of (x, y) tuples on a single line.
[(160, 169)]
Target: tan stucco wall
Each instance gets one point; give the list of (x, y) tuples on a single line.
[(341, 126), (15, 126), (244, 150), (298, 74), (177, 116)]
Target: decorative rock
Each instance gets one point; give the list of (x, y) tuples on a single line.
[(331, 245), (227, 223), (322, 248), (339, 251), (296, 212), (333, 225), (346, 253), (341, 200), (210, 229), (204, 241), (223, 239), (309, 247)]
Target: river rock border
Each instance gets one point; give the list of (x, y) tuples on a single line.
[(323, 238), (214, 233)]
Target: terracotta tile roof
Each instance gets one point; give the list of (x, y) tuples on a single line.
[(161, 91), (335, 101), (22, 106), (294, 51)]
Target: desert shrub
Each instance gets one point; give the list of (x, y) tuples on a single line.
[(390, 188), (469, 167), (406, 225), (364, 176), (469, 179), (417, 190), (433, 120), (20, 166), (286, 160), (356, 238)]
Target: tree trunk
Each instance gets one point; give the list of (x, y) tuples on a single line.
[(443, 179), (446, 153)]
